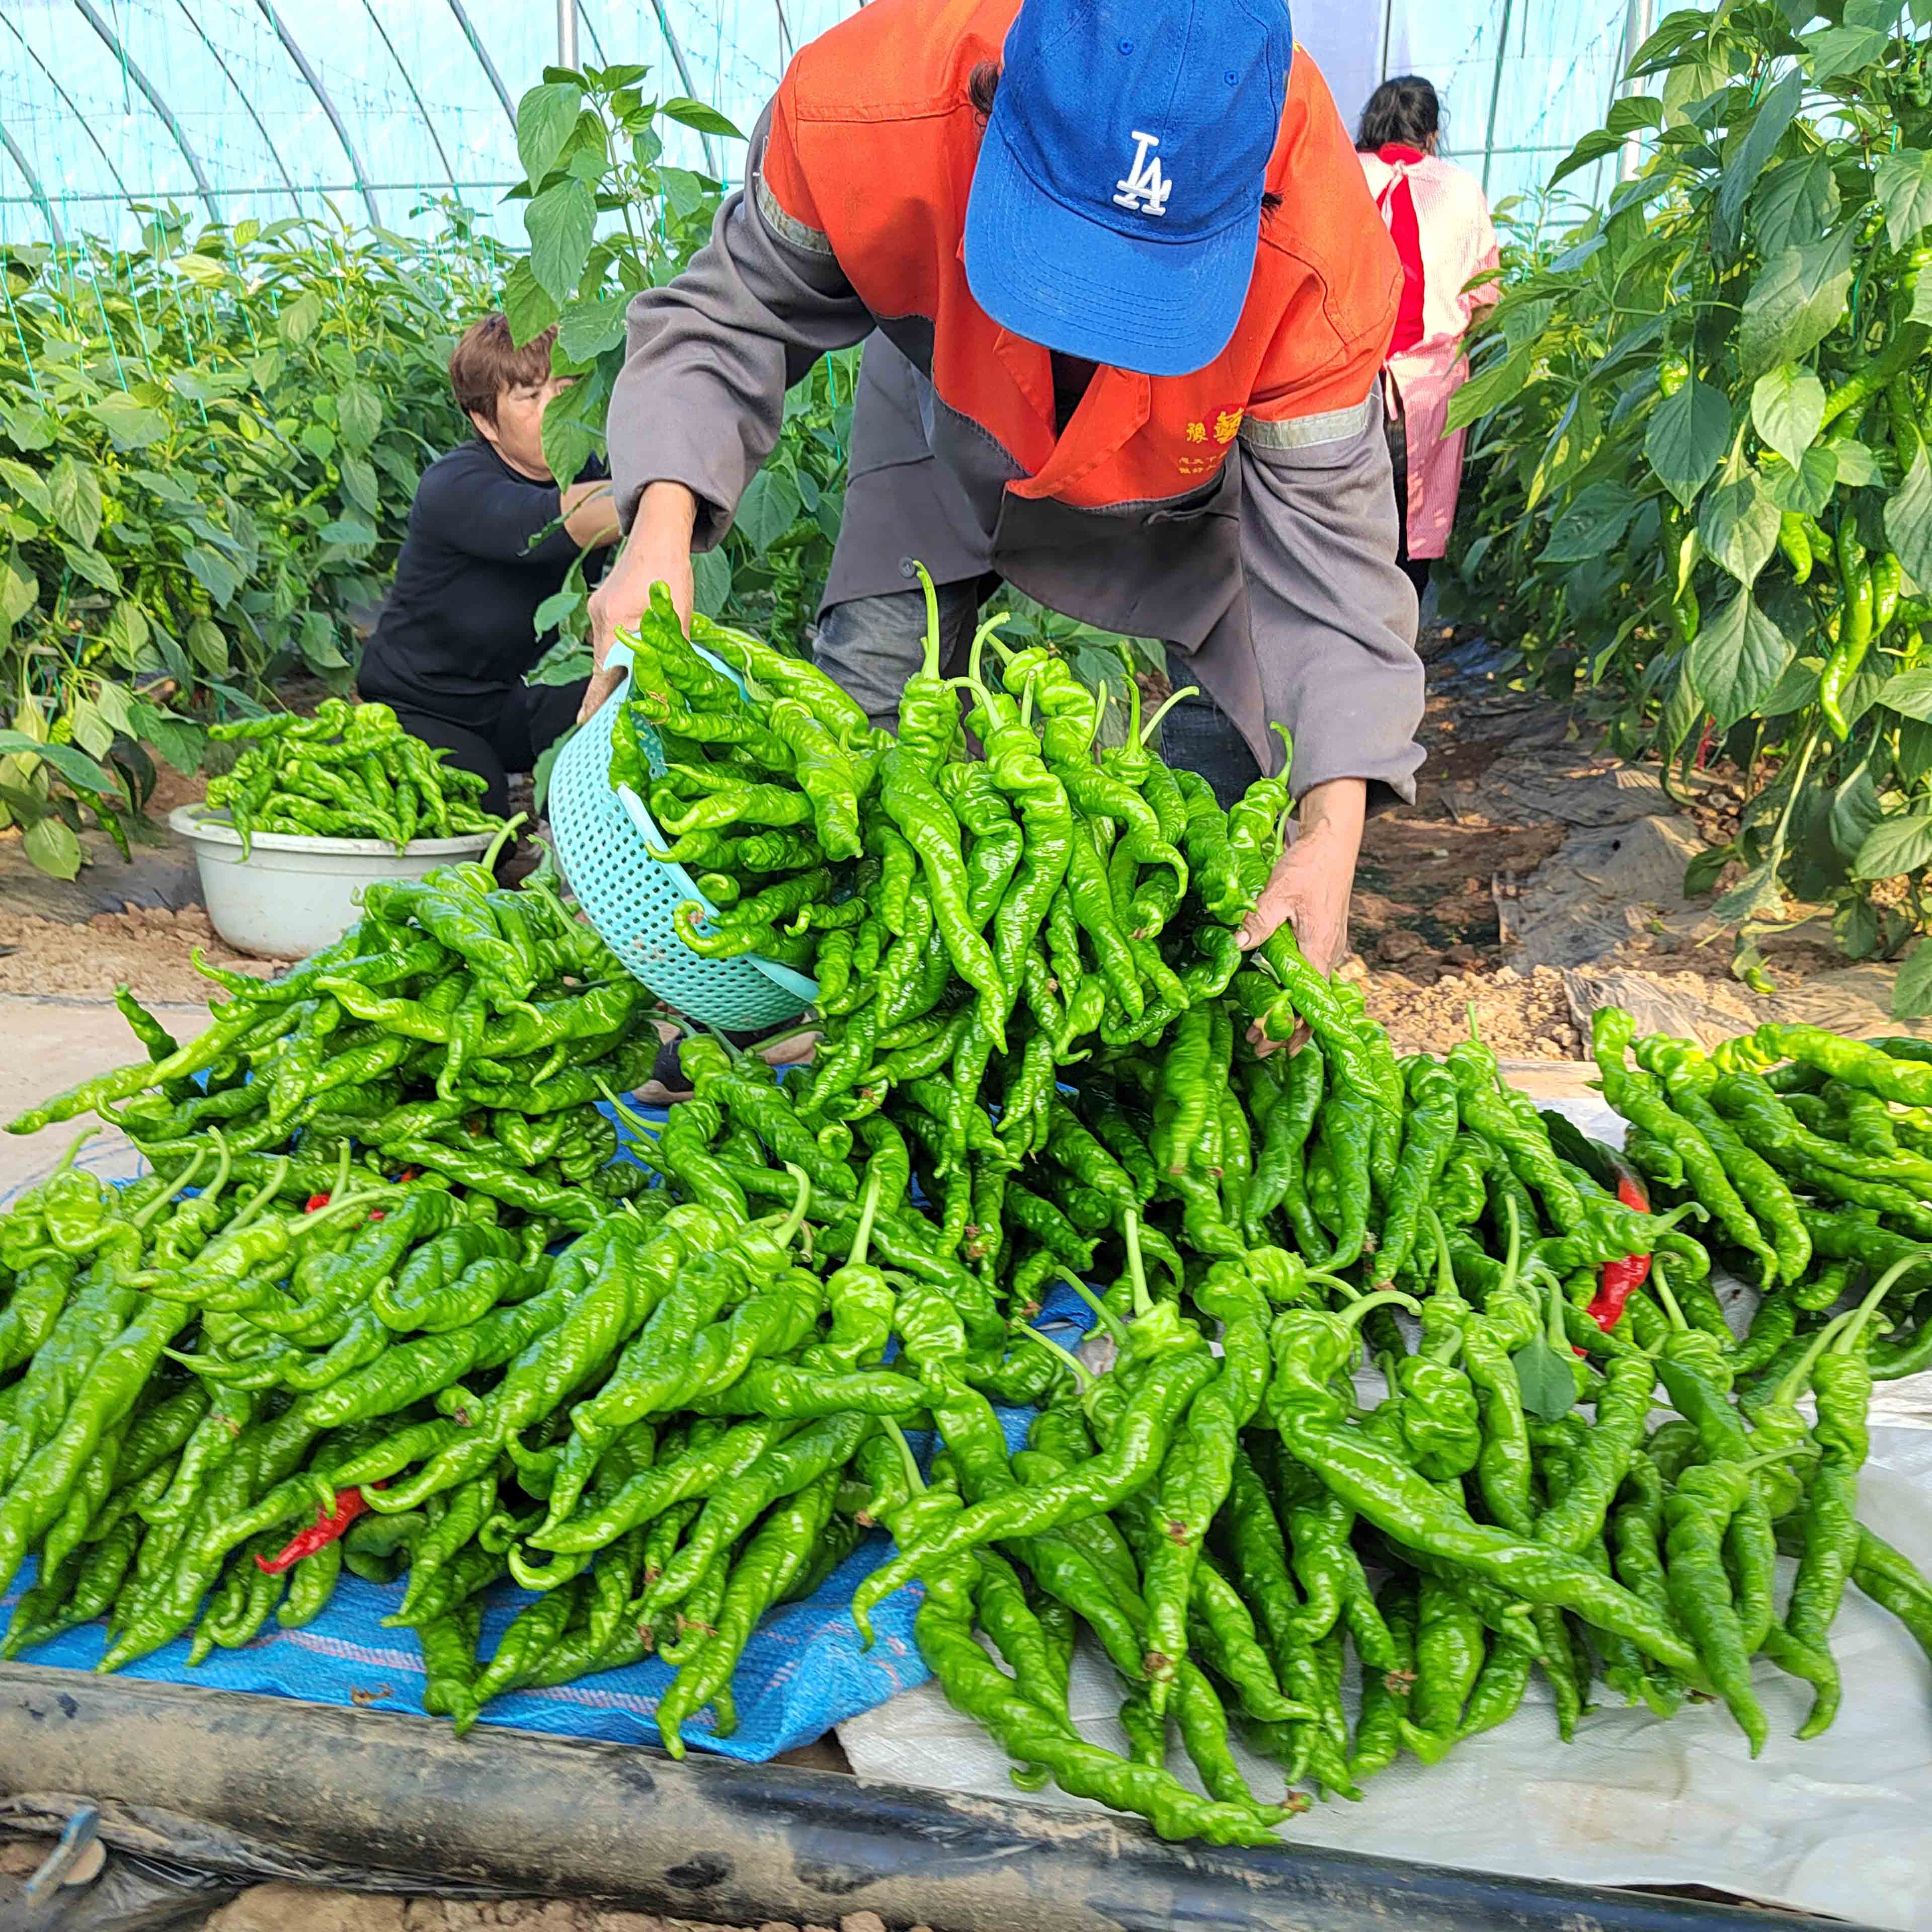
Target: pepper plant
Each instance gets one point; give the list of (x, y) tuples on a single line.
[(207, 449), (1703, 495)]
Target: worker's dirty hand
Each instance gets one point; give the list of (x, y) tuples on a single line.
[(1308, 889), (658, 551)]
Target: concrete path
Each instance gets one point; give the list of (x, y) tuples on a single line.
[(46, 1045)]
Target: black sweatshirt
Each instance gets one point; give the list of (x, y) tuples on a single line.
[(457, 630)]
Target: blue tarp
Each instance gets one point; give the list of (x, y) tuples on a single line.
[(803, 1672)]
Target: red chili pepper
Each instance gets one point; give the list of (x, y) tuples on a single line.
[(1621, 1280), (314, 1201), (1704, 743), (350, 1504)]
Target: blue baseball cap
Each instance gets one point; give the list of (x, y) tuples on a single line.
[(1117, 200)]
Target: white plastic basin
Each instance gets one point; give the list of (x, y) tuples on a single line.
[(291, 896)]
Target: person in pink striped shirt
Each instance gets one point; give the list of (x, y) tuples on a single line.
[(1440, 224)]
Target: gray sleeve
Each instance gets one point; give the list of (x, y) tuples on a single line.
[(700, 397), (1332, 616)]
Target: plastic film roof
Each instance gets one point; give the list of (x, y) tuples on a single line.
[(233, 109)]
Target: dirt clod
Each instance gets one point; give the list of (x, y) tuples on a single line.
[(862, 1921), (300, 1908), (1520, 1016), (148, 947)]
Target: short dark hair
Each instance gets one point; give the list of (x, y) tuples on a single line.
[(1402, 113), (486, 361), (983, 84)]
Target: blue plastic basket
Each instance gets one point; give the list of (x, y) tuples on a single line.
[(604, 834)]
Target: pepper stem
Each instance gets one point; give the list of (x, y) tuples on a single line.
[(1855, 1326), (931, 589), (1792, 1387), (1130, 1231), (1287, 750), (1512, 1254), (1445, 1267), (502, 839), (79, 1141), (1083, 1376), (1133, 701), (1026, 703), (788, 1227), (987, 633), (1671, 1311), (1108, 1319), (222, 1167), (1153, 724), (915, 1482), (627, 1115), (266, 1192), (868, 1212), (148, 1214), (1383, 1297), (1469, 1011)]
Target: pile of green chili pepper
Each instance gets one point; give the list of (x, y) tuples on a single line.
[(350, 772), (1387, 1342)]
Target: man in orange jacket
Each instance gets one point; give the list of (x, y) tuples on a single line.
[(1127, 298)]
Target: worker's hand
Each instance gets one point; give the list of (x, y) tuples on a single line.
[(658, 551), (1309, 886)]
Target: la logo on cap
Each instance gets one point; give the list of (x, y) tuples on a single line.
[(1146, 189)]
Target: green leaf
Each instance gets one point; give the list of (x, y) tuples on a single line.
[(1806, 490), (51, 846), (1596, 517), (350, 531), (1633, 113), (1912, 992), (1908, 519), (75, 492), (555, 609), (28, 484), (301, 318), (76, 766), (1736, 659), (1895, 845), (318, 440), (1701, 874), (1857, 466), (1597, 146), (358, 416), (1909, 693), (1738, 524), (1835, 50), (1855, 812), (1756, 892), (529, 307), (767, 509), (1759, 143), (1795, 689), (1904, 183), (560, 223), (213, 572), (317, 640), (1795, 202), (684, 193), (711, 570), (1548, 1383), (180, 743), (19, 590), (1787, 405), (92, 732), (1797, 300), (1500, 383), (358, 484), (208, 647), (588, 328), (691, 113), (92, 567), (129, 425), (546, 117), (1688, 434), (570, 439)]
